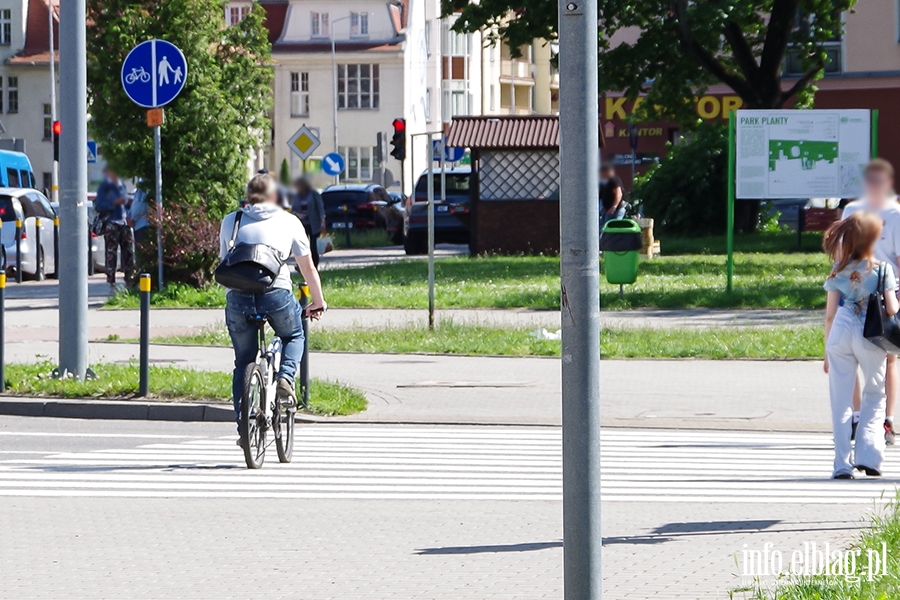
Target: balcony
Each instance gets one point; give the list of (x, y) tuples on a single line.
[(519, 70)]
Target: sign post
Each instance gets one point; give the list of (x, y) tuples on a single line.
[(790, 153), (153, 74)]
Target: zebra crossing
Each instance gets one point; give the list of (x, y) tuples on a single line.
[(453, 463)]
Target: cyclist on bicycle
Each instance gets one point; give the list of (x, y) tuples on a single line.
[(264, 222)]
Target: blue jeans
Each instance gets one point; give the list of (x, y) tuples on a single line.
[(604, 216), (285, 317)]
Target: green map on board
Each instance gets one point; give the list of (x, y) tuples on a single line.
[(807, 152)]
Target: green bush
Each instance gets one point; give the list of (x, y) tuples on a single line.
[(190, 245), (686, 191)]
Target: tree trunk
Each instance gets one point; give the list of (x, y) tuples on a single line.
[(746, 215)]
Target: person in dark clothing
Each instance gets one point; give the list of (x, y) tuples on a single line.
[(309, 207), (611, 195), (110, 205)]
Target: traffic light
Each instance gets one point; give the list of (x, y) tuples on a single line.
[(398, 141), (57, 129)]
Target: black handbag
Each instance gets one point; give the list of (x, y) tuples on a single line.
[(249, 268), (881, 329)]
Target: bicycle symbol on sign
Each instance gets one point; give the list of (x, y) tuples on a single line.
[(137, 74)]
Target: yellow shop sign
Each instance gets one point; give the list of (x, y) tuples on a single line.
[(708, 107)]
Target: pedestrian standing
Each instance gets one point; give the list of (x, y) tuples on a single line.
[(612, 193), (118, 235), (856, 274), (880, 199), (309, 207)]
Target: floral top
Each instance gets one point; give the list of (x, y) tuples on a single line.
[(857, 281)]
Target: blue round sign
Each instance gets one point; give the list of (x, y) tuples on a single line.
[(154, 73), (333, 163)]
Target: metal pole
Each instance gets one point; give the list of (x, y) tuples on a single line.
[(430, 150), (304, 363), (729, 266), (19, 227), (144, 388), (73, 280), (157, 147), (38, 249), (873, 152), (54, 173), (334, 77), (580, 299)]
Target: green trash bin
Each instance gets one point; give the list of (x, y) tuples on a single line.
[(620, 242)]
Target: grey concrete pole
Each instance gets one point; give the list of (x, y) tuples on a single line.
[(580, 268), (430, 232), (73, 231)]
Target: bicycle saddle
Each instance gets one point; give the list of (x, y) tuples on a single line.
[(257, 318)]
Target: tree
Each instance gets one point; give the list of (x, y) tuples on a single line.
[(683, 46), (220, 116)]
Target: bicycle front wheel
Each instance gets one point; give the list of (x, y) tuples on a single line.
[(253, 417), (284, 435)]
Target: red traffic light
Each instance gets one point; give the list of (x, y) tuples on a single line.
[(399, 125), (57, 128)]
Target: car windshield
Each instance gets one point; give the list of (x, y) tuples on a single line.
[(457, 184), (7, 211)]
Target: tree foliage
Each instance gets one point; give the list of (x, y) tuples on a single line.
[(220, 115), (683, 46)]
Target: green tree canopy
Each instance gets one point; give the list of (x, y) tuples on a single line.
[(220, 115), (683, 46)]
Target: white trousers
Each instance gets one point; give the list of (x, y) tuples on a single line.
[(847, 349)]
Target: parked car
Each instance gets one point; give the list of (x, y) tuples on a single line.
[(15, 170), (27, 205), (355, 205), (394, 216), (451, 217)]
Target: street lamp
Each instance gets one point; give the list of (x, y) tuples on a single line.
[(334, 76)]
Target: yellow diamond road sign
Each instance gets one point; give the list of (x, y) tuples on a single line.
[(304, 142)]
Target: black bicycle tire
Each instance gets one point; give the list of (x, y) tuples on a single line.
[(253, 459), (284, 440)]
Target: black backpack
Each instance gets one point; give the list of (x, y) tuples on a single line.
[(249, 268)]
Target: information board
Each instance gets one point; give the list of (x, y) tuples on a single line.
[(801, 153)]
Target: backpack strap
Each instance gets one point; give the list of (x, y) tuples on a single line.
[(234, 231)]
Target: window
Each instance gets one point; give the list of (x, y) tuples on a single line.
[(299, 94), (48, 122), (235, 13), (428, 105), (794, 57), (12, 94), (492, 104), (427, 38), (319, 24), (357, 86), (360, 163), (5, 27), (12, 177), (456, 99), (455, 43), (359, 24)]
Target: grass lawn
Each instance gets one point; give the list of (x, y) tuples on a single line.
[(121, 380), (841, 584), (714, 343)]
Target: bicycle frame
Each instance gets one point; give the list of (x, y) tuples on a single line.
[(268, 358)]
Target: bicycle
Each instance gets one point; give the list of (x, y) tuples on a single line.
[(260, 408), (137, 74)]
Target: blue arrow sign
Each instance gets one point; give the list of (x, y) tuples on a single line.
[(333, 164), (154, 73), (451, 154), (92, 151)]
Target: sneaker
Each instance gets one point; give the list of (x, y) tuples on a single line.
[(285, 392), (889, 432), (240, 443), (853, 425), (843, 475), (868, 471)]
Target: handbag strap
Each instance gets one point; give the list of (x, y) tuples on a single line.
[(234, 230), (881, 277)]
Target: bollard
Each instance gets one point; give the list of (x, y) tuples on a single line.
[(56, 247), (2, 331), (38, 251), (345, 208), (304, 362), (18, 250), (145, 335)]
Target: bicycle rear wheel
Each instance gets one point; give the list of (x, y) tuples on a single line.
[(253, 418), (284, 434)]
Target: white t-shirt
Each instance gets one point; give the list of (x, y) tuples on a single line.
[(887, 249), (271, 225)]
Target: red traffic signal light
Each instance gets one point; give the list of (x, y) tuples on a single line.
[(398, 141), (399, 126), (57, 128)]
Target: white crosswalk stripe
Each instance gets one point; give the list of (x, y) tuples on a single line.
[(419, 462)]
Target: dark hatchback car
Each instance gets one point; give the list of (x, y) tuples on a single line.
[(357, 205), (451, 217)]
